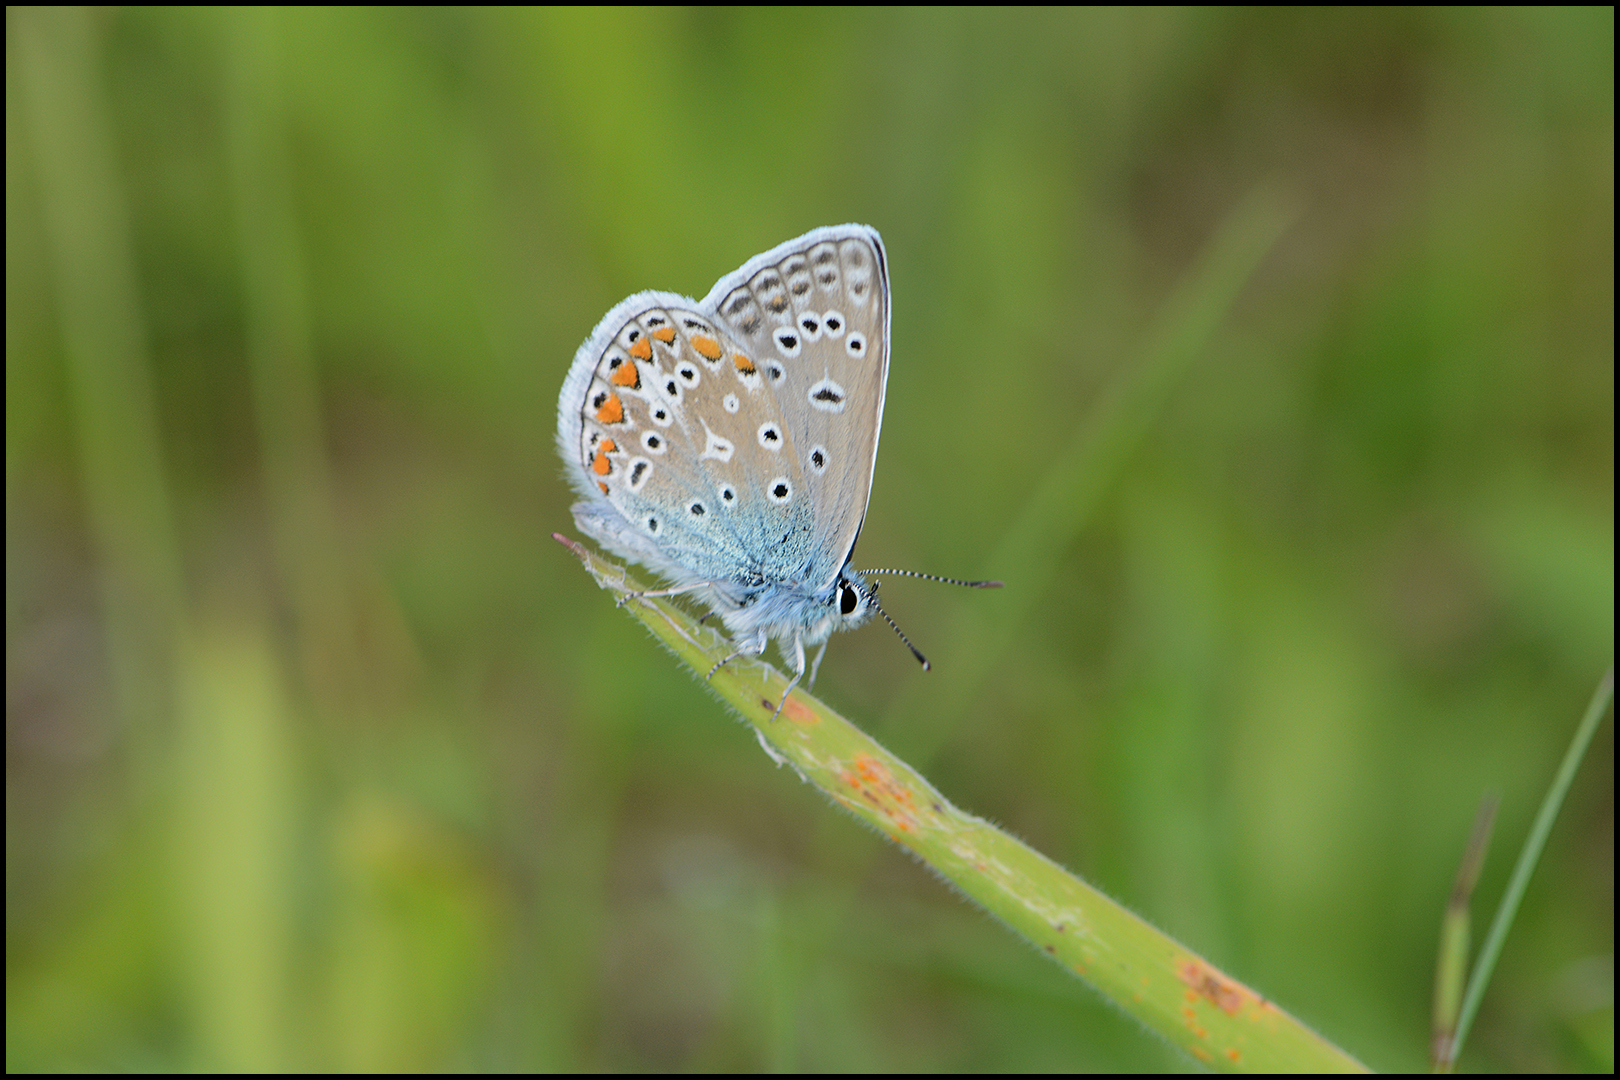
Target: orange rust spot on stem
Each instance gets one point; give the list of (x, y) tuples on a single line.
[(872, 770), (1203, 981), (707, 347), (878, 786), (612, 410), (799, 712)]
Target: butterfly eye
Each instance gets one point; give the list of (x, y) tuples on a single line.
[(848, 598)]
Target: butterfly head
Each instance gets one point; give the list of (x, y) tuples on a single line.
[(854, 601)]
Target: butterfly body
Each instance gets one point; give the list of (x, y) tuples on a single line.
[(728, 444)]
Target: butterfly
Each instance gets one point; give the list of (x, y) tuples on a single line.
[(728, 444)]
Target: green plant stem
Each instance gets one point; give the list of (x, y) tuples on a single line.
[(1529, 855), (1169, 988)]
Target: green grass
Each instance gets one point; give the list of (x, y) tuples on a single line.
[(1267, 356)]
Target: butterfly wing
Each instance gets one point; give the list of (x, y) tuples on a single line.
[(813, 316), (637, 424), (732, 441)]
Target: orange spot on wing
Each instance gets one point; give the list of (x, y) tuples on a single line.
[(625, 375), (602, 486), (642, 349), (612, 411), (707, 347), (744, 365), (601, 463), (666, 334)]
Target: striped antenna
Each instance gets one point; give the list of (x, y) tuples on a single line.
[(936, 577), (873, 600)]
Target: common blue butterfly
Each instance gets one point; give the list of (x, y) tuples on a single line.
[(728, 444)]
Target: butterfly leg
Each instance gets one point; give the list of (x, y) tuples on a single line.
[(816, 666), (798, 673), (753, 648), (676, 591)]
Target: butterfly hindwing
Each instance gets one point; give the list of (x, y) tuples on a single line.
[(647, 443)]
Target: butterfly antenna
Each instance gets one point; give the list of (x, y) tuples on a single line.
[(936, 577), (921, 659)]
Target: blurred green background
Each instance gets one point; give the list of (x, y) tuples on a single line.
[(321, 754)]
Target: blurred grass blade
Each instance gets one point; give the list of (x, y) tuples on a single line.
[(104, 338), (282, 362), (233, 855), (1068, 494), (1528, 856), (1168, 988), (1455, 930), (1064, 500)]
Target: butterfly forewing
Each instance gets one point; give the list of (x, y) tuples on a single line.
[(815, 320)]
